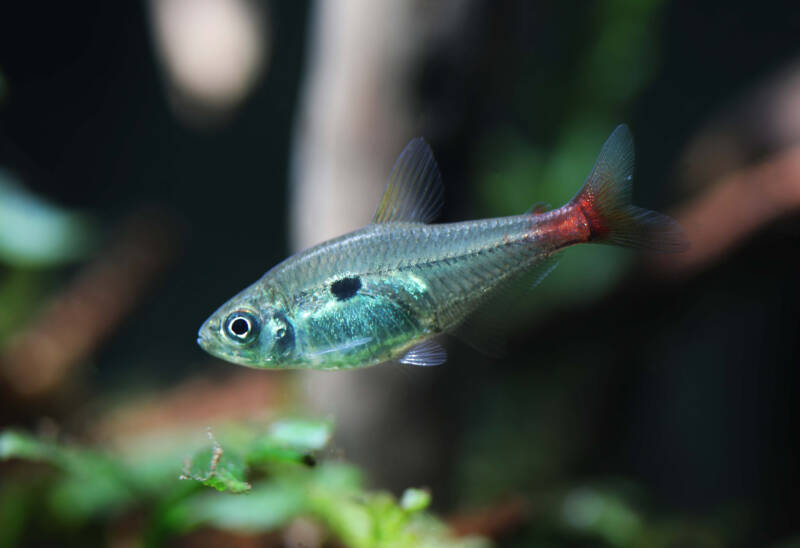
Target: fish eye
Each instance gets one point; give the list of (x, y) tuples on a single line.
[(241, 326), (280, 332)]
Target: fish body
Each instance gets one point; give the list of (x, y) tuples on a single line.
[(383, 292)]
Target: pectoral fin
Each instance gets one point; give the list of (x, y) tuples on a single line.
[(425, 354)]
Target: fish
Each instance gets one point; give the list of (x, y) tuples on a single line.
[(387, 291)]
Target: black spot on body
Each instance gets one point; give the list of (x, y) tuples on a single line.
[(346, 287)]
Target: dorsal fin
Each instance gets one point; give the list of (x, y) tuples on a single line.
[(414, 192)]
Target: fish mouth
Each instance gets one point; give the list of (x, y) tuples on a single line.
[(202, 342), (213, 347), (206, 344), (206, 336)]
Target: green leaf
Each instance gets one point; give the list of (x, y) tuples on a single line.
[(34, 232), (264, 508), (364, 519), (415, 500), (214, 467), (301, 435), (289, 440), (603, 514), (15, 444), (93, 483)]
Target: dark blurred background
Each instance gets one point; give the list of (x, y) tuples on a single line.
[(662, 391)]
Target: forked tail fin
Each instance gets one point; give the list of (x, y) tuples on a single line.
[(605, 200)]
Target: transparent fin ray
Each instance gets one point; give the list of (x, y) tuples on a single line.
[(414, 192), (504, 267), (425, 354), (606, 200), (483, 333), (487, 327), (540, 272)]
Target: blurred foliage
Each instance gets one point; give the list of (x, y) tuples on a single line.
[(536, 412), (35, 237), (592, 99), (269, 478), (20, 291), (35, 233)]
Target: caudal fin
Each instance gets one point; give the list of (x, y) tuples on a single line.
[(605, 200)]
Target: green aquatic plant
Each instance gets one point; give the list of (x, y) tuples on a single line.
[(260, 480)]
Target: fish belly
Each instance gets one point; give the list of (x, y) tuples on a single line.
[(388, 315)]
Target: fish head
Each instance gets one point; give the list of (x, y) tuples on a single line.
[(251, 329)]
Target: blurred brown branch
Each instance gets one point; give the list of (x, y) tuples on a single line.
[(764, 118), (194, 404), (494, 521), (733, 208), (39, 358)]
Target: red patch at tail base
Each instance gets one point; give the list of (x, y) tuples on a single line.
[(563, 227), (605, 202), (597, 225)]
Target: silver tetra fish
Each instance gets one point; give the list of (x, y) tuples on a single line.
[(383, 292)]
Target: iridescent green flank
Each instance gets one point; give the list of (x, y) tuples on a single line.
[(384, 291)]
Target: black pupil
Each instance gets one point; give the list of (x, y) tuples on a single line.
[(240, 327), (346, 287)]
